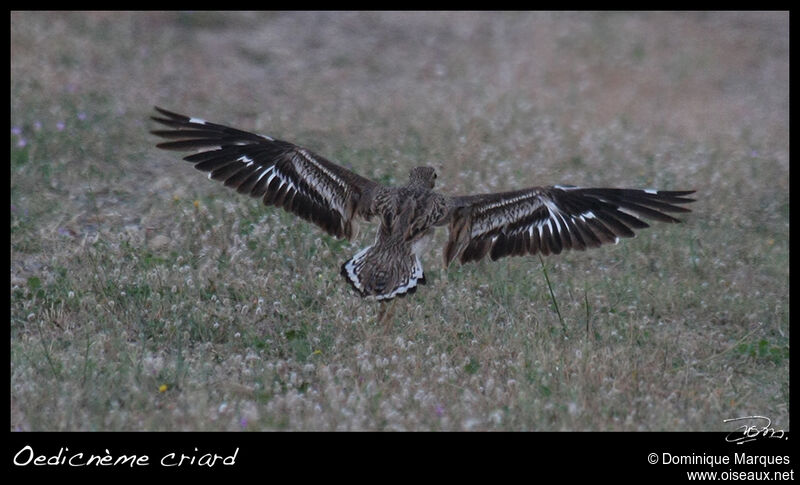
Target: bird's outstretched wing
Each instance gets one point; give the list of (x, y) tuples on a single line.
[(279, 172), (552, 219)]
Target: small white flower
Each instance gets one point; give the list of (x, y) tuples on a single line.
[(572, 408)]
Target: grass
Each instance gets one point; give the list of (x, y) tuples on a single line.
[(144, 297)]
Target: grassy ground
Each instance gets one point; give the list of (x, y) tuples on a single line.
[(144, 297)]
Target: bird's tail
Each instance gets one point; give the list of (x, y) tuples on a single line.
[(384, 271)]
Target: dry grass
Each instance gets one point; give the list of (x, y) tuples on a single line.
[(144, 297)]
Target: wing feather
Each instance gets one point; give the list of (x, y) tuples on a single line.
[(552, 219), (280, 173)]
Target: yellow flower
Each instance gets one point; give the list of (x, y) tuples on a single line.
[(196, 204), (162, 388), (316, 352)]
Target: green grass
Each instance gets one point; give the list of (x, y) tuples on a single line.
[(144, 297)]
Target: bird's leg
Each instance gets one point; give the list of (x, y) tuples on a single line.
[(381, 311), (385, 314), (390, 316)]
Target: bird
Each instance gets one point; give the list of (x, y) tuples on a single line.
[(545, 220)]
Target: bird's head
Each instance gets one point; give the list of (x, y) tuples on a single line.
[(423, 176)]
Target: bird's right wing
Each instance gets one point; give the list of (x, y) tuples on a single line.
[(551, 219), (279, 172)]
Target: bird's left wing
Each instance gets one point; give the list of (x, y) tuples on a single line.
[(281, 173), (552, 219)]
